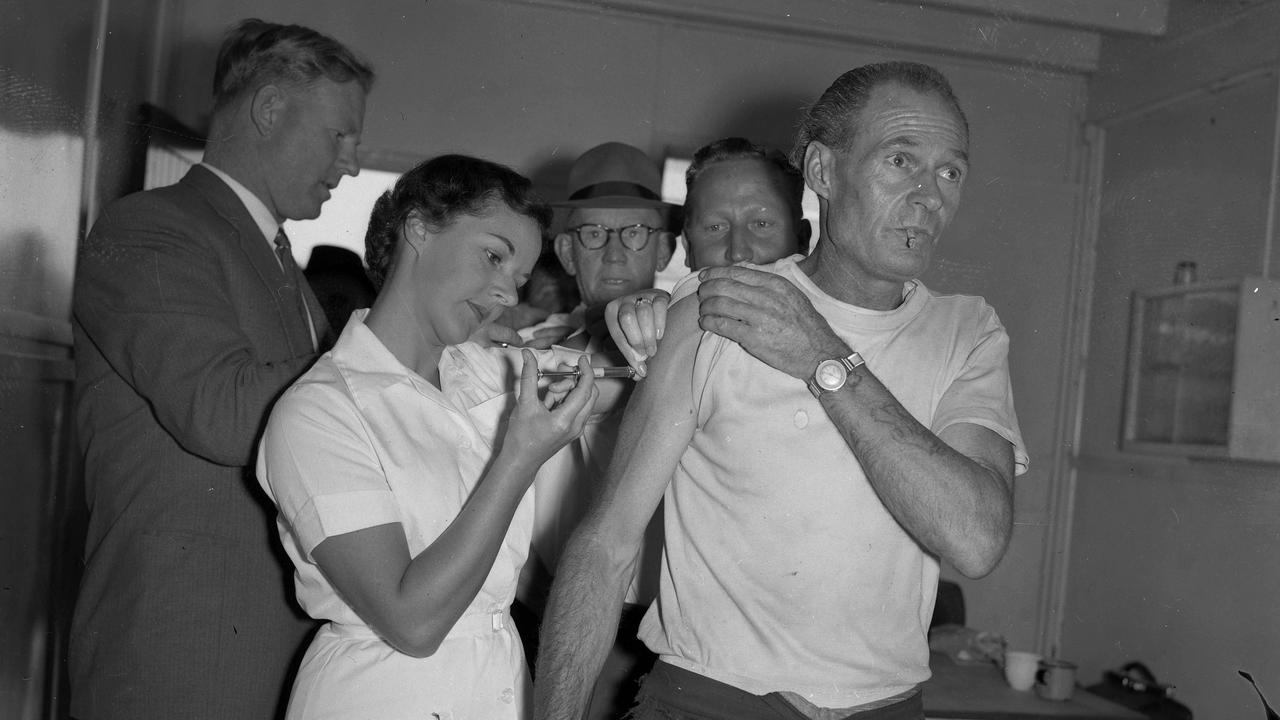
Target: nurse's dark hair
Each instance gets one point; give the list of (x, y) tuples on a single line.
[(255, 53), (438, 191), (835, 118)]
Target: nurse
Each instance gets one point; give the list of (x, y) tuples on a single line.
[(402, 482)]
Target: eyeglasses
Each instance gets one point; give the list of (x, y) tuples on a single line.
[(634, 237)]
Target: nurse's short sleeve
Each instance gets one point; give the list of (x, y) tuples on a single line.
[(981, 393), (317, 463)]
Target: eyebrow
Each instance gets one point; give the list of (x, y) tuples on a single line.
[(511, 248), (909, 141)]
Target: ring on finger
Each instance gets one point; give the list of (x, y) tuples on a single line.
[(643, 299)]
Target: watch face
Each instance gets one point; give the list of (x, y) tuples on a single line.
[(830, 375)]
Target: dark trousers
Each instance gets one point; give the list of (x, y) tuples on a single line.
[(671, 693), (629, 660)]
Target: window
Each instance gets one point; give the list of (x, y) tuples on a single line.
[(344, 218)]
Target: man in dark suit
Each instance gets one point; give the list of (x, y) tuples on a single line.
[(190, 318)]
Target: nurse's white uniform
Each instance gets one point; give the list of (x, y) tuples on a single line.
[(359, 441)]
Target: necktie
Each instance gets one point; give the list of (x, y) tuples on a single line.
[(293, 280)]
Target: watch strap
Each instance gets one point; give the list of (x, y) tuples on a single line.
[(853, 360)]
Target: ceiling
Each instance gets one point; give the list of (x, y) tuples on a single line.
[(1140, 17)]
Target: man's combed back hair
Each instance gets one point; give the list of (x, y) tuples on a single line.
[(439, 190), (833, 120), (256, 53), (738, 148)]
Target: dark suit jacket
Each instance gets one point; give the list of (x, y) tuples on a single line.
[(183, 339)]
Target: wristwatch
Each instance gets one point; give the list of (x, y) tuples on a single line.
[(832, 374)]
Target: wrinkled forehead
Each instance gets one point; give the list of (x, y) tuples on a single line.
[(737, 178), (333, 103), (895, 110)]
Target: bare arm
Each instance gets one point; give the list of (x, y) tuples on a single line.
[(952, 491), (413, 602), (598, 561)]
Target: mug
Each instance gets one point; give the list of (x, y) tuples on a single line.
[(1056, 679), (1020, 669)]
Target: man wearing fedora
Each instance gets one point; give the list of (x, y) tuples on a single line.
[(615, 235)]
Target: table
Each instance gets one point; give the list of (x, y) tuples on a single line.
[(979, 692)]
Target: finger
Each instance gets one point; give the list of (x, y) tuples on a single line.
[(562, 385), (647, 327), (660, 306), (548, 336), (582, 393), (751, 294), (744, 275), (611, 314), (500, 334), (727, 327), (554, 395), (624, 329), (731, 308), (579, 420), (528, 377)]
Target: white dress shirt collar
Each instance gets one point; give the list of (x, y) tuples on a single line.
[(265, 221)]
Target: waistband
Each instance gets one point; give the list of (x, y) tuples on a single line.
[(698, 696), (475, 623)]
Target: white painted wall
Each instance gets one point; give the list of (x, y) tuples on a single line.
[(1174, 560)]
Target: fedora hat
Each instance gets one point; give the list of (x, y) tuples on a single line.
[(615, 175)]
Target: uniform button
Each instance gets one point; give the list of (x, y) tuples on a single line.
[(802, 419), (465, 444), (508, 695)]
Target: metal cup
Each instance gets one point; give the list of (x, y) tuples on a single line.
[(1056, 679)]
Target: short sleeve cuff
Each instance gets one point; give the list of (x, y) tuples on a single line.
[(1020, 458), (341, 513)]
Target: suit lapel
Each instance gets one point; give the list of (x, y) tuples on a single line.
[(258, 253)]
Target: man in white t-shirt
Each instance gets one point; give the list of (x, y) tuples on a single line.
[(835, 434)]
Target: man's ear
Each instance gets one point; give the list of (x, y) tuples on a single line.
[(564, 252), (818, 168), (688, 253), (666, 241), (266, 109)]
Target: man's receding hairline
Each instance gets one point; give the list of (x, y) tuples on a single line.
[(777, 175), (952, 107)]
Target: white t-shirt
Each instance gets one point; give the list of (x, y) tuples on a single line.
[(782, 569)]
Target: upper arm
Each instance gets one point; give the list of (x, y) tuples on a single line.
[(151, 297), (981, 394), (366, 567), (982, 446), (656, 428)]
